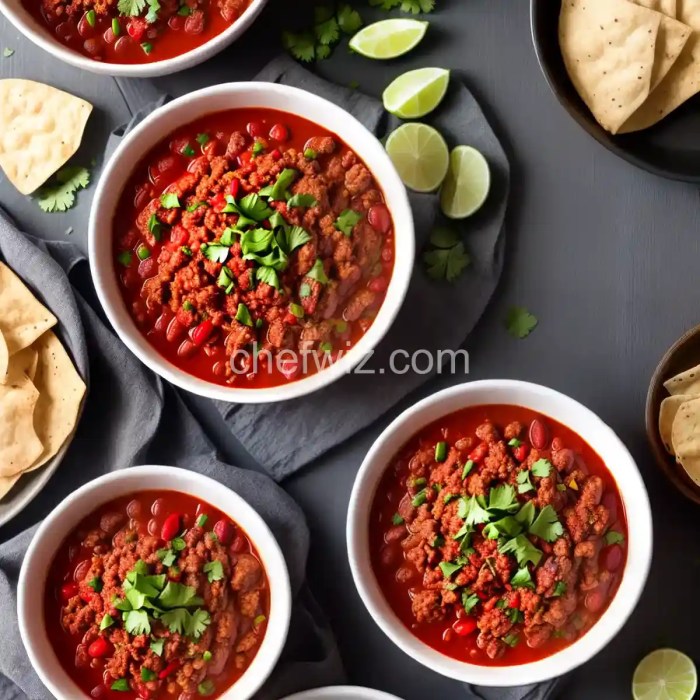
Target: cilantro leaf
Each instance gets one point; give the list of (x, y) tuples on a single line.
[(136, 622), (215, 252), (153, 9), (547, 525), (198, 622), (522, 579), (524, 483), (508, 526), (523, 550), (279, 191), (302, 46), (347, 221), (559, 589), (542, 468), (318, 272), (107, 621), (176, 620), (613, 537), (157, 646), (471, 511), (293, 239), (167, 556), (256, 240), (449, 568), (520, 322), (349, 19), (169, 200), (526, 515), (327, 32), (449, 258), (268, 275), (60, 196), (253, 207), (503, 498), (176, 595), (469, 601), (302, 200), (243, 315), (121, 684), (7, 52), (444, 237), (131, 8)]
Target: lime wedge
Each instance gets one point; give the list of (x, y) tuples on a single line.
[(416, 93), (467, 183), (665, 674), (420, 156), (389, 38)]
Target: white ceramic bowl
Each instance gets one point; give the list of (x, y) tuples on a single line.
[(232, 96), (583, 422), (342, 692), (41, 35), (56, 527)]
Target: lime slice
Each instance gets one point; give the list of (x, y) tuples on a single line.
[(665, 674), (389, 38), (420, 155), (467, 183), (416, 93)]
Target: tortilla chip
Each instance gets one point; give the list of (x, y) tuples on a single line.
[(608, 48), (61, 392), (20, 446), (667, 414), (665, 7), (685, 437), (24, 361), (40, 129), (4, 358), (687, 382), (23, 318), (6, 483), (681, 82)]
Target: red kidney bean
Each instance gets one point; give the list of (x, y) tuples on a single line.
[(142, 196), (478, 454), (134, 508), (69, 590), (178, 145), (122, 45), (611, 557), (99, 648), (201, 333), (109, 37), (176, 23), (153, 527), (171, 526), (595, 601), (378, 285), (238, 544), (211, 148), (289, 368), (85, 29), (219, 369), (187, 349), (276, 154), (280, 133), (197, 163), (538, 434), (521, 452), (81, 570), (464, 627), (564, 460), (64, 31), (395, 533), (225, 531), (99, 691), (388, 556), (404, 574), (158, 507), (235, 187), (387, 253), (92, 46), (379, 218), (179, 235), (610, 502), (148, 267), (175, 331), (255, 129)]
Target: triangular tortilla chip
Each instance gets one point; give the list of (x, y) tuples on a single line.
[(24, 361), (61, 392), (681, 82), (687, 382), (4, 358), (19, 444), (23, 318), (40, 129), (665, 7), (6, 483), (609, 48), (667, 414)]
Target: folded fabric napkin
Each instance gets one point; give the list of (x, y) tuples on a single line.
[(435, 315), (130, 418)]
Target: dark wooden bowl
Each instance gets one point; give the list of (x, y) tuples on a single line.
[(684, 354), (668, 149)]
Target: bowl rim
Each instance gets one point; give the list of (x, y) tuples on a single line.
[(588, 124), (343, 692), (674, 473), (193, 57), (639, 553), (272, 557), (370, 149)]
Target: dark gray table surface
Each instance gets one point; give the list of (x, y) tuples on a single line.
[(605, 255)]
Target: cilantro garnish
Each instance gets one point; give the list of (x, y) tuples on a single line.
[(469, 601), (157, 646), (107, 621), (147, 674), (397, 519), (131, 8), (155, 227), (507, 526), (243, 315), (268, 275), (542, 468), (523, 550), (547, 525), (559, 589), (147, 47), (95, 584), (449, 568), (169, 200), (60, 195), (166, 556), (302, 200), (613, 537), (503, 498), (225, 280), (522, 578), (347, 221), (472, 512), (412, 6), (7, 52), (121, 684), (202, 139), (279, 191), (215, 252), (153, 10), (520, 322), (318, 272), (349, 19), (136, 622), (448, 258), (524, 483)]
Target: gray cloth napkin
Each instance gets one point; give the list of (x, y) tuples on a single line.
[(435, 316), (131, 417)]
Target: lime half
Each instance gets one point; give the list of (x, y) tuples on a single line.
[(665, 674), (420, 155), (389, 38), (416, 93), (467, 183)]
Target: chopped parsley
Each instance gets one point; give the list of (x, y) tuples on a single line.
[(214, 570), (522, 579), (347, 221), (302, 200), (156, 646), (542, 468), (547, 525), (60, 194), (520, 322), (447, 259)]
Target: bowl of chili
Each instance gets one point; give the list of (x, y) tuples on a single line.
[(499, 524), (251, 242), (132, 589), (132, 38)]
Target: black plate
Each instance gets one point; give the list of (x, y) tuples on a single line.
[(670, 149)]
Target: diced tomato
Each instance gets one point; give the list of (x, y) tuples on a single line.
[(171, 527), (276, 154), (136, 28), (521, 452), (218, 201), (68, 591), (245, 158), (378, 285), (179, 235), (99, 648), (478, 454), (290, 319), (235, 187), (514, 601)]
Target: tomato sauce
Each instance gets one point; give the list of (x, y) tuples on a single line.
[(209, 357), (150, 519), (457, 633)]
